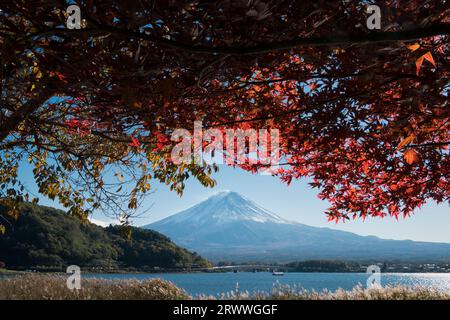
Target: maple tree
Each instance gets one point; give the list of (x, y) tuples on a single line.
[(363, 113)]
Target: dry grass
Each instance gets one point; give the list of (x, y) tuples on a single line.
[(286, 292), (360, 293), (53, 287)]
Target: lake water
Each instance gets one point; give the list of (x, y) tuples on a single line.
[(216, 283)]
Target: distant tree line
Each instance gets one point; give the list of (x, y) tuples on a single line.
[(341, 266), (323, 266)]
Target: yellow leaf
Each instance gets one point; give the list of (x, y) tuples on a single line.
[(414, 47), (181, 169)]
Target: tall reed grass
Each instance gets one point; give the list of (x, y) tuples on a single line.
[(53, 287)]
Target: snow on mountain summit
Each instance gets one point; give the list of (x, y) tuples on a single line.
[(223, 207)]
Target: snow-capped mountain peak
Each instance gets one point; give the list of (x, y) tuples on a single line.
[(229, 227), (224, 207)]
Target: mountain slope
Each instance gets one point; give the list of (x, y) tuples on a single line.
[(228, 226), (49, 238)]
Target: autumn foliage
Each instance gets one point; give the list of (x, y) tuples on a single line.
[(363, 113)]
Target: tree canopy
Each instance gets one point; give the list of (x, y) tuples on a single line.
[(362, 113)]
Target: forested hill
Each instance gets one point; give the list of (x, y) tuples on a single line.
[(47, 238)]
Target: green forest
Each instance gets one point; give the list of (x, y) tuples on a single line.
[(44, 238)]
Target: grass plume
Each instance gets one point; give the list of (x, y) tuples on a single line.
[(53, 287)]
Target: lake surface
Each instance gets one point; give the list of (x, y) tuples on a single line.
[(217, 283)]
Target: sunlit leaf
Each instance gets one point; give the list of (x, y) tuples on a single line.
[(428, 56), (411, 156), (414, 47)]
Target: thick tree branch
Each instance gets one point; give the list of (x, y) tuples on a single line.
[(331, 40), (430, 144), (12, 122)]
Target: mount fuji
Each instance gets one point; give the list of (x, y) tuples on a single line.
[(227, 226)]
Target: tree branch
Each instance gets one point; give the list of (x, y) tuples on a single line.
[(331, 40), (12, 122)]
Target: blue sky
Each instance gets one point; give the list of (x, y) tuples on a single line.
[(296, 202)]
